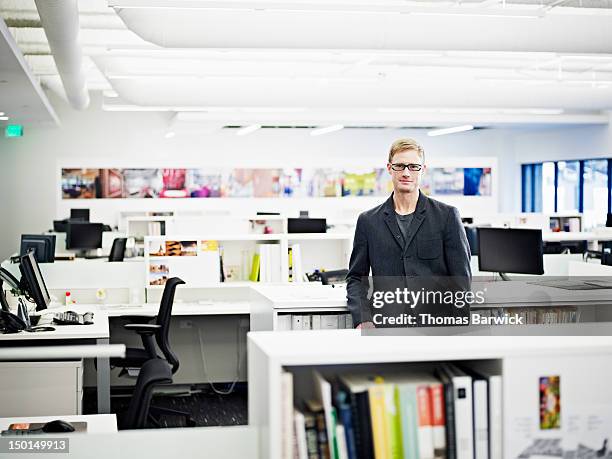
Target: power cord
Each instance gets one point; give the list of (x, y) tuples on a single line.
[(238, 364)]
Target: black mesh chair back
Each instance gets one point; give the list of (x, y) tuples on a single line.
[(153, 373), (163, 320), (117, 252)]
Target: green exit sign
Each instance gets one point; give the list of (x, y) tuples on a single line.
[(14, 130)]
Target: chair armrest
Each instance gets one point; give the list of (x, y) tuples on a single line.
[(134, 319), (143, 329)]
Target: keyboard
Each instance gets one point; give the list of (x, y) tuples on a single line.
[(72, 318)]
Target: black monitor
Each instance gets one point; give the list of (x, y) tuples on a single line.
[(81, 215), (43, 246), (84, 236), (609, 221), (60, 226), (503, 250), (306, 225), (11, 280), (33, 281)]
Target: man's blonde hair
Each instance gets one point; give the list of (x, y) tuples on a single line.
[(405, 145)]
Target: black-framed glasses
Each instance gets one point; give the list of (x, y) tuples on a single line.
[(398, 167)]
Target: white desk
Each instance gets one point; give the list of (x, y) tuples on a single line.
[(521, 293), (97, 333), (96, 423), (575, 236), (178, 309), (521, 360)]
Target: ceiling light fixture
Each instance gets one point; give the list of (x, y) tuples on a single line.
[(4, 118), (451, 130), (169, 134), (1, 113), (326, 130), (248, 129)]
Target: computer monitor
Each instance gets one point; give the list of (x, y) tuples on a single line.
[(34, 282), (609, 221), (79, 215), (503, 250), (7, 277), (306, 225), (60, 226), (84, 236), (43, 246)]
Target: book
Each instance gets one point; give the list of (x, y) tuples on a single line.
[(329, 321), (296, 254), (316, 322), (342, 448), (356, 387), (316, 407), (462, 405), (438, 418), (283, 322), (378, 417), (491, 374), (306, 322), (312, 439), (290, 265), (345, 417), (287, 415), (481, 418), (274, 255), (296, 322), (301, 447), (254, 276), (323, 392), (449, 411)]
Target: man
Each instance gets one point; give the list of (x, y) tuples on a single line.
[(409, 236)]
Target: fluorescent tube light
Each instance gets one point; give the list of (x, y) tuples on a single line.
[(248, 129), (4, 118), (326, 130), (451, 130), (169, 134), (1, 113)]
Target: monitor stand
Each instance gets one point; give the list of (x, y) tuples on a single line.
[(504, 277)]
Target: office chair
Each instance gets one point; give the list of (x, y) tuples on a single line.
[(117, 252), (152, 334), (153, 373)]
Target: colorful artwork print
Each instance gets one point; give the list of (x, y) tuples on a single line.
[(158, 274), (262, 183), (550, 403)]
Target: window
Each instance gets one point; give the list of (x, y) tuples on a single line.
[(548, 187), (568, 189), (595, 192), (569, 186)]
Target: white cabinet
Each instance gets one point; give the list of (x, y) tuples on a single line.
[(41, 388)]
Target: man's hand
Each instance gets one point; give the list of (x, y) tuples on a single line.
[(365, 325)]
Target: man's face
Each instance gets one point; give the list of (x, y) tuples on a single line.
[(406, 181)]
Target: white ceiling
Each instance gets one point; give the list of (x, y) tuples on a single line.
[(358, 62)]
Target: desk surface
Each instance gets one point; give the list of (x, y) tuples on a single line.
[(575, 236), (97, 330), (96, 423), (203, 308), (522, 293)]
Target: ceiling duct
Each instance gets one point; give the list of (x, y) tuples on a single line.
[(374, 25), (60, 19)]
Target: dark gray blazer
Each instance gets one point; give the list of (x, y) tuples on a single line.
[(436, 245)]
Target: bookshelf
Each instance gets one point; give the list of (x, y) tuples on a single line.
[(193, 256), (581, 362), (323, 305)]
